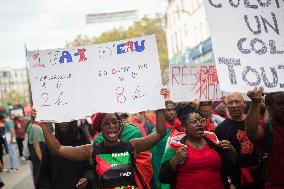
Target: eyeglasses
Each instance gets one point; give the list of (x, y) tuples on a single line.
[(195, 121), (109, 122)]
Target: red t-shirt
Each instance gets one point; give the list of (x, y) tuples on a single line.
[(201, 170), (276, 158)]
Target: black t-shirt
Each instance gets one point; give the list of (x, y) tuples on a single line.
[(114, 165), (234, 131)]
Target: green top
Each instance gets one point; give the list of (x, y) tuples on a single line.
[(129, 131), (157, 154), (8, 125), (35, 134)]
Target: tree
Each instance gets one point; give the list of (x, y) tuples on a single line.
[(145, 26), (13, 97)]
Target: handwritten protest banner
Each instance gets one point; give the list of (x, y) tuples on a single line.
[(72, 83), (194, 81), (248, 43)]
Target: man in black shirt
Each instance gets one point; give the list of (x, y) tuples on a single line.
[(233, 130)]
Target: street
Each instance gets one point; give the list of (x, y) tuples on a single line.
[(22, 179)]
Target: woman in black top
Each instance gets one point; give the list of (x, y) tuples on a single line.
[(113, 159)]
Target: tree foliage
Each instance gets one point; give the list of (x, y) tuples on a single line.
[(145, 26), (13, 97)]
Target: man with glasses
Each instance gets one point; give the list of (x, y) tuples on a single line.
[(233, 130)]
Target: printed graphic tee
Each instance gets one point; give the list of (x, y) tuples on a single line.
[(234, 131), (114, 165)]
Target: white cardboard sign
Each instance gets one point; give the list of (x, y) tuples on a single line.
[(248, 43), (72, 83), (194, 81)]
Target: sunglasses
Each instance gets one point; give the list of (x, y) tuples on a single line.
[(109, 122)]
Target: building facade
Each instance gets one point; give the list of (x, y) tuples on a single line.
[(14, 85), (188, 36)]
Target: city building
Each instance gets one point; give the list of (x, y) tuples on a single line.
[(188, 36), (14, 85)]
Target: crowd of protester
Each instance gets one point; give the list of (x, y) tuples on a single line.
[(231, 143)]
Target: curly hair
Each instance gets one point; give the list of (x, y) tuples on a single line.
[(184, 110)]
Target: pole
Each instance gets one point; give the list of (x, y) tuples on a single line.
[(27, 69)]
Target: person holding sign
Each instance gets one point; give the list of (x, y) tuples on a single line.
[(268, 134), (195, 158), (113, 160)]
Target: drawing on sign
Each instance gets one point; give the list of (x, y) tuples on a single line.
[(106, 51), (59, 100), (206, 78), (191, 81), (138, 94), (36, 60), (52, 80), (45, 99)]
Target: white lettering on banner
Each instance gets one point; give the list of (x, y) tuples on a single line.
[(194, 81), (126, 174), (248, 43), (123, 154), (113, 165), (72, 83)]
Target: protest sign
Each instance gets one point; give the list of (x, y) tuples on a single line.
[(72, 83), (17, 112), (248, 43), (194, 81)]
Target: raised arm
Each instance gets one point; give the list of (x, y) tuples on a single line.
[(146, 143), (253, 130), (77, 153)]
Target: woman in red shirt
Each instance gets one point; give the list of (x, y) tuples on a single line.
[(196, 159)]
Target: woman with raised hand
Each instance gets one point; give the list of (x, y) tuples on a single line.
[(113, 159), (195, 158)]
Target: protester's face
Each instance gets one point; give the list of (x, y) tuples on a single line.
[(139, 116), (222, 110), (236, 105), (206, 111), (195, 125), (110, 128), (170, 113), (278, 106)]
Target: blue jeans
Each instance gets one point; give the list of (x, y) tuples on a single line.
[(12, 155)]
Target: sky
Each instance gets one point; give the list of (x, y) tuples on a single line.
[(49, 24)]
